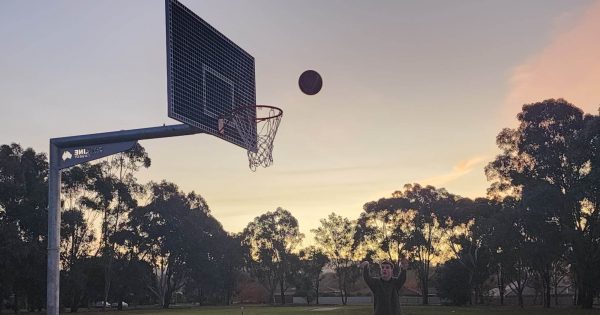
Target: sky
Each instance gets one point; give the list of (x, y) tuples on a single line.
[(414, 91)]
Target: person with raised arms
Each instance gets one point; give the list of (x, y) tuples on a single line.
[(386, 288)]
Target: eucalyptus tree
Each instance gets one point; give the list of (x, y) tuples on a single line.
[(384, 228), (214, 259), (335, 238), (510, 249), (312, 260), (166, 233), (452, 282), (77, 233), (23, 219), (469, 235), (272, 239), (430, 223), (550, 161), (114, 189), (76, 243), (413, 223)]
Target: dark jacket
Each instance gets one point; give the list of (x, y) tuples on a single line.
[(385, 293)]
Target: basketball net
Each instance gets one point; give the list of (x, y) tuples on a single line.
[(267, 121)]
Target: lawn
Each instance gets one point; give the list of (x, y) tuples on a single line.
[(356, 310)]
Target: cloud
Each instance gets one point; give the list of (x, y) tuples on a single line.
[(568, 67), (463, 168)]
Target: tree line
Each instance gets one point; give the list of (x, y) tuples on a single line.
[(124, 241)]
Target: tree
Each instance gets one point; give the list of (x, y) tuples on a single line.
[(431, 210), (76, 239), (584, 222), (163, 233), (335, 238), (24, 189), (130, 282), (312, 261), (271, 239), (23, 219), (509, 248), (413, 223), (214, 260), (470, 238), (453, 282), (559, 272), (550, 162), (76, 234), (115, 186), (384, 227), (10, 246)]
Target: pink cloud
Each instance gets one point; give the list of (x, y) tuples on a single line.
[(568, 67), (459, 170)]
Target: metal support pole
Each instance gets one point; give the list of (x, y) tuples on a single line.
[(53, 276), (56, 144), (126, 135)]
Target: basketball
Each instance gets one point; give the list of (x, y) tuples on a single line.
[(310, 82)]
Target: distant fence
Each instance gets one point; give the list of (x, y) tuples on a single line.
[(564, 300), (533, 300), (335, 300), (404, 300)]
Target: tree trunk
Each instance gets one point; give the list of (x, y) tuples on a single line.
[(282, 291), (585, 298), (341, 285), (546, 284), (585, 267), (425, 291), (470, 289), (107, 278), (585, 291), (272, 293), (16, 305), (229, 296), (479, 291), (168, 289), (167, 302), (520, 295), (75, 302), (317, 290), (501, 290)]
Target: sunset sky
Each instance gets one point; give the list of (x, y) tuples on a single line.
[(414, 91)]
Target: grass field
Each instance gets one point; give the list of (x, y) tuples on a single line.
[(357, 310)]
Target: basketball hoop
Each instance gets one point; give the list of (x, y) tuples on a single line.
[(266, 120)]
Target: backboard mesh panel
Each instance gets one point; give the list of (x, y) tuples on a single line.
[(208, 74)]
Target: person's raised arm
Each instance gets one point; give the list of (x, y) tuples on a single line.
[(399, 282), (366, 276)]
